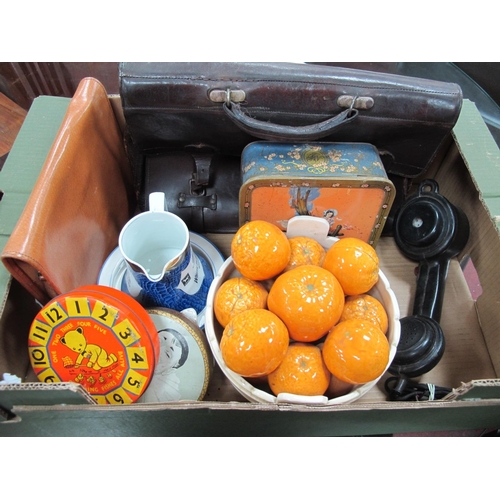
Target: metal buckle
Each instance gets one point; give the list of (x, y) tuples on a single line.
[(197, 198)]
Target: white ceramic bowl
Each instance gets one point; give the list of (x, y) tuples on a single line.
[(316, 228)]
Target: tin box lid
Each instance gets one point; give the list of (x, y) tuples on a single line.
[(186, 362), (92, 338), (310, 160)]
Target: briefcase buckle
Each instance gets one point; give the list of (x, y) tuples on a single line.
[(197, 198)]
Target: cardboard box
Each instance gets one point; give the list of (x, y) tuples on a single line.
[(467, 175)]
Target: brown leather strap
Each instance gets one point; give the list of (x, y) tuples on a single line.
[(202, 173)]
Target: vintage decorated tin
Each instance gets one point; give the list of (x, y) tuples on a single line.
[(345, 183), (185, 366), (92, 337)]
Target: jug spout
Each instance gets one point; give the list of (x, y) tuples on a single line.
[(154, 267)]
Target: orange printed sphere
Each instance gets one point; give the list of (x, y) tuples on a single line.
[(260, 250), (237, 295), (254, 343), (354, 263), (356, 351), (305, 250), (309, 300), (365, 307), (302, 372)]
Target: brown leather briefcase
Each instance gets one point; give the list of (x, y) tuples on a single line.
[(227, 105), (200, 186)]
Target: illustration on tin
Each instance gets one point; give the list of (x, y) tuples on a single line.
[(96, 356), (303, 205), (165, 384)]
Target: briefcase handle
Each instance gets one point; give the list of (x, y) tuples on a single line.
[(276, 132)]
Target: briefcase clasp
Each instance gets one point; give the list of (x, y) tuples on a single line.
[(348, 101), (227, 96)]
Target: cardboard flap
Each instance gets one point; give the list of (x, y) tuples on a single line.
[(480, 151), (39, 394), (23, 166), (476, 390)]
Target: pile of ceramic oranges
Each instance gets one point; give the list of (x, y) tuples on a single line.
[(300, 316)]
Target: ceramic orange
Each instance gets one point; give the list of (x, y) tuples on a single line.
[(365, 307), (302, 372), (356, 351), (237, 295), (305, 250), (254, 343), (260, 250), (309, 300), (354, 263)]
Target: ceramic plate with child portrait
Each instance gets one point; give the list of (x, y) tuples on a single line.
[(184, 367)]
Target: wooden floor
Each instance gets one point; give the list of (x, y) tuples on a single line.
[(11, 119)]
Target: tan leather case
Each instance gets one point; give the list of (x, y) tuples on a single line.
[(82, 198)]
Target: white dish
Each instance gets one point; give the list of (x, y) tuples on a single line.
[(316, 228), (114, 270)]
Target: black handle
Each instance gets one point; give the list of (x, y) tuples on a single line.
[(431, 282), (276, 132)]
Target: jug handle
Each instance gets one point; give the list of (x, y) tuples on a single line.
[(157, 202)]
